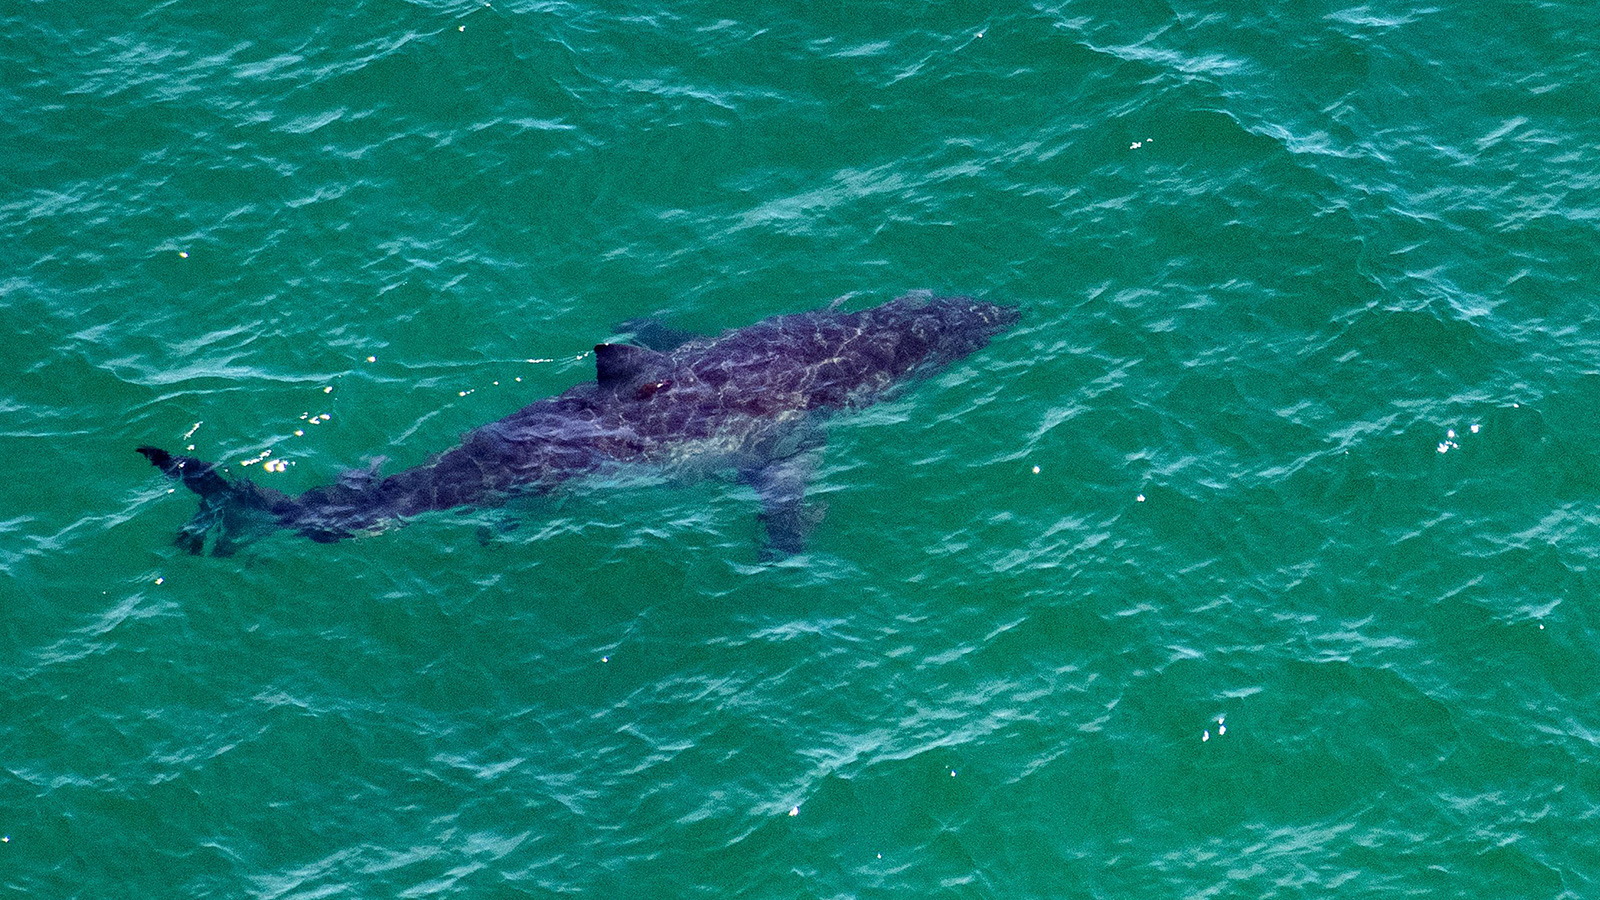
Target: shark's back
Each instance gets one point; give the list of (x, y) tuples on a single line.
[(828, 360), (748, 382)]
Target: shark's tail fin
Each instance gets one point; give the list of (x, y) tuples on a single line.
[(232, 512)]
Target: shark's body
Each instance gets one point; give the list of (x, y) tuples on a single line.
[(743, 401)]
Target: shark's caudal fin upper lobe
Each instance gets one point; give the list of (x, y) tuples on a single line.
[(200, 477)]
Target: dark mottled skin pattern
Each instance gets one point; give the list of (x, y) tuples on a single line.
[(732, 401)]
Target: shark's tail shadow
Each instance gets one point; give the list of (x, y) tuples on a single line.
[(232, 512)]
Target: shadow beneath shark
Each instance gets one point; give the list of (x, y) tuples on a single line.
[(748, 401)]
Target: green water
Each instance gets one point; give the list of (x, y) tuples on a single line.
[(1258, 561)]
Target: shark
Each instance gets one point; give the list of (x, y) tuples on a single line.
[(749, 402)]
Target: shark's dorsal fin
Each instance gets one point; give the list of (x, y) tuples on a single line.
[(616, 365)]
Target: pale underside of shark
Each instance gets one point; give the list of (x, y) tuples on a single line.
[(747, 402)]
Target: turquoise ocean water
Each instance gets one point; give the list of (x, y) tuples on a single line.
[(1260, 560)]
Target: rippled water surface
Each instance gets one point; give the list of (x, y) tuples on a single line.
[(1257, 561)]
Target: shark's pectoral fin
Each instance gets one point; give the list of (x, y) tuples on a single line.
[(785, 515), (491, 533), (788, 526)]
